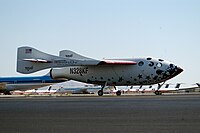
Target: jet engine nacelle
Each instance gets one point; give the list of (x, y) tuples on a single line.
[(69, 72), (59, 73)]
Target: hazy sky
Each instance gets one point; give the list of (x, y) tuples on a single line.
[(168, 29)]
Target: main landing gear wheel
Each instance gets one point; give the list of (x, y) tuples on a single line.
[(100, 92), (118, 93), (158, 93), (7, 93)]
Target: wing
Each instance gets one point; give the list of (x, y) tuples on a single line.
[(38, 60), (117, 62), (101, 62)]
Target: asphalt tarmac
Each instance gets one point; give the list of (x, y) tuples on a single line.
[(125, 114)]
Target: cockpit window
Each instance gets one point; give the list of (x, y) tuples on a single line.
[(141, 63), (160, 59), (159, 64), (151, 63), (149, 58)]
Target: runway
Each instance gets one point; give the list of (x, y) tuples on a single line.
[(126, 114)]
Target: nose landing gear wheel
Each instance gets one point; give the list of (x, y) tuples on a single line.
[(100, 92)]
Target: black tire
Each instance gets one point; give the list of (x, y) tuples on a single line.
[(100, 93), (118, 93), (7, 93), (158, 93)]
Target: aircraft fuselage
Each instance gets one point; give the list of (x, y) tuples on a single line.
[(147, 71)]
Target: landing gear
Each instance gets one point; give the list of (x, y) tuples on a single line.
[(7, 93), (118, 93), (158, 93), (100, 92)]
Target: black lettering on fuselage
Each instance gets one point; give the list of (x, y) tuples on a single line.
[(71, 55), (79, 70)]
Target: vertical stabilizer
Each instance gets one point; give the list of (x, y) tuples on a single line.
[(72, 55), (30, 60)]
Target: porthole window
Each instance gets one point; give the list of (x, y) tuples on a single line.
[(171, 65), (160, 59), (159, 64), (151, 63), (141, 63), (159, 72), (149, 58)]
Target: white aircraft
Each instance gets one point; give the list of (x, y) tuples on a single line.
[(79, 88), (8, 84), (107, 72), (177, 88), (167, 89), (164, 89)]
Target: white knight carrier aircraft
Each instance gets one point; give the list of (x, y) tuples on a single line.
[(106, 72)]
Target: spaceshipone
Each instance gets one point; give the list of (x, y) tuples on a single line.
[(106, 72)]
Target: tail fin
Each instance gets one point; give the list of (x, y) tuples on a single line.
[(72, 55), (198, 85), (31, 60), (167, 86), (178, 85)]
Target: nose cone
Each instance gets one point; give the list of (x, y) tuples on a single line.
[(173, 71), (178, 70)]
